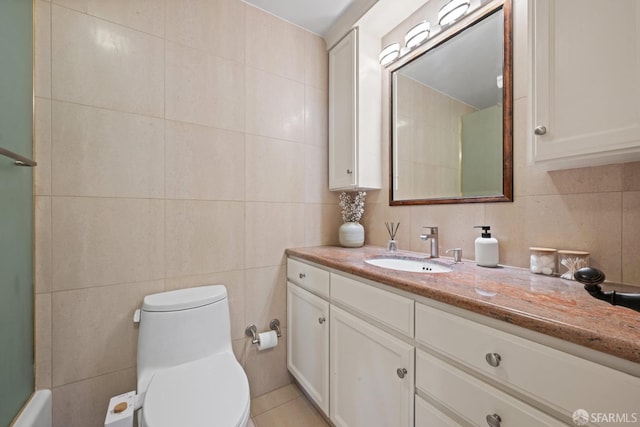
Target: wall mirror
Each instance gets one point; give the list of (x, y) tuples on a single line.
[(452, 115)]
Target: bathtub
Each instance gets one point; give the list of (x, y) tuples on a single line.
[(37, 412)]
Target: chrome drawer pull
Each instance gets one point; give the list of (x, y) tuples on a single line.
[(401, 372), (494, 420), (493, 359), (302, 275), (540, 130), (321, 320)]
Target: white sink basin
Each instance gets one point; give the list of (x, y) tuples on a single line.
[(410, 264)]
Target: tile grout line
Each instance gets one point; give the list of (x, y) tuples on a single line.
[(287, 401)]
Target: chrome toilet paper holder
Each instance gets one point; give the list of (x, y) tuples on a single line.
[(252, 331)]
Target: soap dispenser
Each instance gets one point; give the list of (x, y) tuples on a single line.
[(486, 248)]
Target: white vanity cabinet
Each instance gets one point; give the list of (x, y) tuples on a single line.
[(382, 357), (550, 378), (308, 330), (584, 83), (371, 355), (355, 146), (372, 375), (359, 374), (473, 400), (308, 343)]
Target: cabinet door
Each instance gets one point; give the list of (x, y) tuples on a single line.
[(308, 343), (372, 375), (585, 82), (342, 112)]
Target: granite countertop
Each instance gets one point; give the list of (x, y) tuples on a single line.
[(556, 307)]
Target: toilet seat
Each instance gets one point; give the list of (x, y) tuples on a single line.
[(211, 392)]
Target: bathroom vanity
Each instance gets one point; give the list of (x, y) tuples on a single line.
[(475, 346)]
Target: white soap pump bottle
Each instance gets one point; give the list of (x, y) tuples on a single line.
[(486, 248)]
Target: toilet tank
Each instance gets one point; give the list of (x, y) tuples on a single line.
[(181, 326)]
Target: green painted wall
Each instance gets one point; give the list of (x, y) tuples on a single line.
[(481, 162)]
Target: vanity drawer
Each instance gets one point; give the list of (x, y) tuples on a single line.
[(390, 309), (312, 278), (472, 399), (557, 379), (428, 416)]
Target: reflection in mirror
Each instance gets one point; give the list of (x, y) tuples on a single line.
[(451, 116)]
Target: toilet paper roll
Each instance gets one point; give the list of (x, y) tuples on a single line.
[(267, 340)]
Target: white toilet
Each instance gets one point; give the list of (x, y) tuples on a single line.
[(186, 366)]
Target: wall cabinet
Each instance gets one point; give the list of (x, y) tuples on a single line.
[(355, 144), (585, 83)]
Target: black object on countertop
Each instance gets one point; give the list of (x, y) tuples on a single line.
[(591, 278)]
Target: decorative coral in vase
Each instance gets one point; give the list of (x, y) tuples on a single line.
[(351, 233)]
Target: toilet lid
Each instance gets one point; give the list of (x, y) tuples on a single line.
[(183, 299), (208, 392)]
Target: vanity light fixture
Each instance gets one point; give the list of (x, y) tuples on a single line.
[(452, 11), (417, 34), (389, 54)]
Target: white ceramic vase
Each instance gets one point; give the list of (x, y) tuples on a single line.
[(351, 235)]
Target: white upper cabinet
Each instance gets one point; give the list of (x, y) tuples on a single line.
[(355, 113), (584, 91)]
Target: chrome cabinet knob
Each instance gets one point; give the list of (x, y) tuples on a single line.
[(494, 420), (302, 275), (321, 320), (540, 130), (401, 372), (493, 359)]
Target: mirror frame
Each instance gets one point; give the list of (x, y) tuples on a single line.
[(507, 99)]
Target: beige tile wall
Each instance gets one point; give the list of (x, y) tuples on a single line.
[(428, 112), (179, 143), (592, 209)]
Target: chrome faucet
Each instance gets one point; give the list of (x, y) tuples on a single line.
[(433, 235)]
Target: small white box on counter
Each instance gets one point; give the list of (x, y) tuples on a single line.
[(122, 418)]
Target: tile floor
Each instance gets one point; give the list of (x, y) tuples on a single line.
[(285, 407)]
